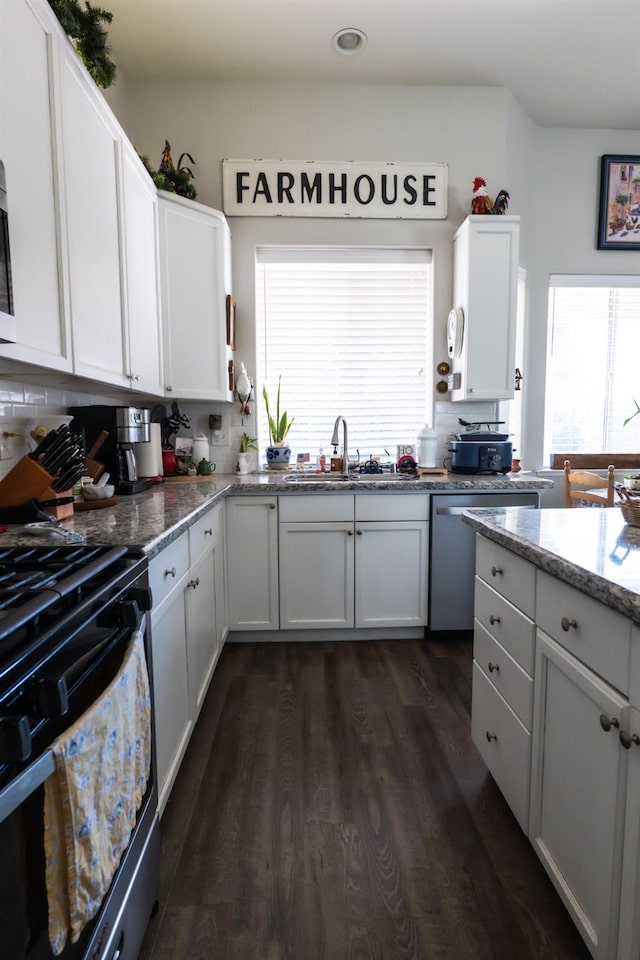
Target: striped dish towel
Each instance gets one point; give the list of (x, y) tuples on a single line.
[(102, 767)]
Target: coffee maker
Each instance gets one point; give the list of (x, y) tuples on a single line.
[(125, 426)]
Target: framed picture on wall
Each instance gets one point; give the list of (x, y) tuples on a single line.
[(619, 219), (231, 322)]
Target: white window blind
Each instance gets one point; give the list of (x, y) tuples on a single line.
[(350, 332), (592, 365)]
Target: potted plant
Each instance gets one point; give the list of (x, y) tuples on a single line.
[(278, 453), (247, 444)]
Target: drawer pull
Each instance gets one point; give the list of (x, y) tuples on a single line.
[(566, 624), (626, 739), (495, 571), (607, 722), (194, 583), (494, 666), (171, 572), (491, 736), (209, 531), (493, 619)]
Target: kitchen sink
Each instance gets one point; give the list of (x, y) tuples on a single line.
[(340, 478)]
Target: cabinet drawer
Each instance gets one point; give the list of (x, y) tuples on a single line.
[(167, 570), (505, 674), (507, 573), (203, 534), (595, 634), (515, 631), (316, 507), (504, 744), (392, 506)]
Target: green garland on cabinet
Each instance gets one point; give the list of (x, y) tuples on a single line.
[(83, 24)]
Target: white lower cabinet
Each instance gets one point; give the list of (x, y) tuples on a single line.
[(578, 746), (188, 628), (252, 563), (578, 791), (168, 574), (343, 565)]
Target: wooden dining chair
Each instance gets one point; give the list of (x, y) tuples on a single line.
[(581, 487)]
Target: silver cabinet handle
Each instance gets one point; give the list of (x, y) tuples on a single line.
[(493, 666), (493, 619), (627, 739), (566, 624), (171, 572), (491, 736), (495, 571), (607, 722)]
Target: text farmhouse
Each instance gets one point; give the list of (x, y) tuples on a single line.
[(381, 190)]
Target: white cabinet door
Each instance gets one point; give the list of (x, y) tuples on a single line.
[(391, 570), (629, 933), (577, 791), (485, 287), (195, 272), (252, 554), (171, 693), (90, 140), (28, 151), (316, 575), (142, 301), (202, 640)]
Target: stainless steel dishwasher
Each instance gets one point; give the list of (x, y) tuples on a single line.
[(453, 555)]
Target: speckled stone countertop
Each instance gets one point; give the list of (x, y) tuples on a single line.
[(151, 520), (592, 550)]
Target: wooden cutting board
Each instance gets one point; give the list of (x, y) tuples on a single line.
[(95, 504)]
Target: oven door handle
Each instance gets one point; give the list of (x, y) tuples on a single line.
[(23, 785)]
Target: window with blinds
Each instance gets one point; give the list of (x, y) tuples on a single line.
[(593, 377), (349, 330)]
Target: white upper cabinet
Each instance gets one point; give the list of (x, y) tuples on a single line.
[(28, 151), (195, 276), (142, 300), (90, 139), (481, 329)]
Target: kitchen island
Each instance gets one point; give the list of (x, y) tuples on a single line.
[(556, 702)]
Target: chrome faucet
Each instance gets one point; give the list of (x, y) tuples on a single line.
[(334, 441)]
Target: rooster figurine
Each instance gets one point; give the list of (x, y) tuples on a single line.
[(482, 203)]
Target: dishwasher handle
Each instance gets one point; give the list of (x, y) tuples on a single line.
[(458, 511)]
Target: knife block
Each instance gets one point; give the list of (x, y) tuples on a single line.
[(59, 512), (26, 481)]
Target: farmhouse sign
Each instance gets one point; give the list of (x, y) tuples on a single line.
[(323, 188)]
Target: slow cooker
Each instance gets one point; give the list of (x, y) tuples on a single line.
[(481, 451)]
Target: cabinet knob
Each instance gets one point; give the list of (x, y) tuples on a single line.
[(194, 583), (566, 624), (169, 389), (134, 376), (491, 736), (171, 572), (493, 619), (272, 506), (626, 739), (349, 533), (607, 722), (359, 532), (495, 571), (208, 532), (493, 666)]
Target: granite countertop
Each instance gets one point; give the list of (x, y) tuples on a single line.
[(152, 519), (595, 551)]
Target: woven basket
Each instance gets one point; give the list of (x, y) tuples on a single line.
[(630, 506)]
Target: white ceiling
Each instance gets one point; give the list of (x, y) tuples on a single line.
[(569, 63)]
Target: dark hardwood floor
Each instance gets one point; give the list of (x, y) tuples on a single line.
[(332, 806)]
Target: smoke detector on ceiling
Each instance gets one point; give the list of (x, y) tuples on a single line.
[(349, 41)]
